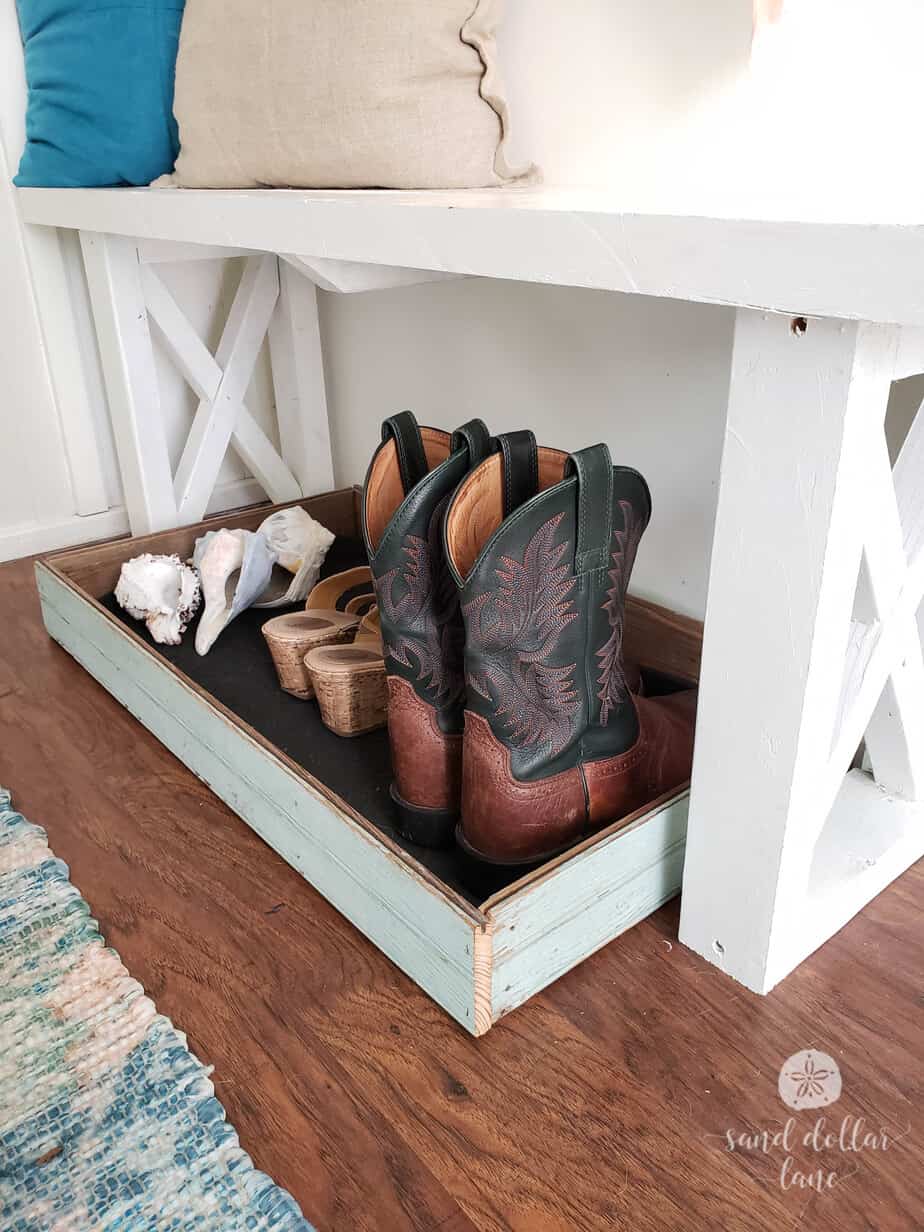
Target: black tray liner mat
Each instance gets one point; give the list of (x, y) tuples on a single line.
[(239, 672)]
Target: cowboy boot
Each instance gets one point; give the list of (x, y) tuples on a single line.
[(410, 480), (542, 546)]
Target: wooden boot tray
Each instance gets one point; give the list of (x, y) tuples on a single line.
[(478, 939)]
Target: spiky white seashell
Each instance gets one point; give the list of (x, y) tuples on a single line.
[(161, 591)]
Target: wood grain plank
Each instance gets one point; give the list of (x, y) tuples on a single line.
[(218, 928), (599, 1105), (717, 1049)]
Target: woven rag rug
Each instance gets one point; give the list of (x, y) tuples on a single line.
[(107, 1120)]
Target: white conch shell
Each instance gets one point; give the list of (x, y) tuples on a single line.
[(300, 544), (234, 567), (161, 591)]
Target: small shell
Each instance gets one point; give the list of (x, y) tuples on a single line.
[(161, 591)]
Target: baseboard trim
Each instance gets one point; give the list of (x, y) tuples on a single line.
[(28, 539), (32, 538)]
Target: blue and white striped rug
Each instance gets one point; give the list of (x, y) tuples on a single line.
[(107, 1120)]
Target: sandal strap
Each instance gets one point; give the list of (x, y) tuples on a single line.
[(329, 593), (521, 468)]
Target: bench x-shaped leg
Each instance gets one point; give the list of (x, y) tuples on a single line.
[(127, 295), (811, 645), (222, 417)]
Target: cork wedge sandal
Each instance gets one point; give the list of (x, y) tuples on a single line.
[(349, 680), (332, 616)]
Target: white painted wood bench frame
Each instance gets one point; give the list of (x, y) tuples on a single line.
[(812, 645)]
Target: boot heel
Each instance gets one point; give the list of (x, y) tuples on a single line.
[(428, 827)]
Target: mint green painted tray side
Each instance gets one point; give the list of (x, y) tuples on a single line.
[(422, 929), (544, 928), (477, 964)]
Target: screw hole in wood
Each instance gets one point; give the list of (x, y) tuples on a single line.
[(799, 326)]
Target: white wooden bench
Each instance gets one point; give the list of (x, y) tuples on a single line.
[(812, 644)]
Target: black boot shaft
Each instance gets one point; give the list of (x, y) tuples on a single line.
[(422, 630), (544, 610)]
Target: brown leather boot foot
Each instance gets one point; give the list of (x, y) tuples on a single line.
[(411, 478), (507, 821), (557, 743), (427, 764)]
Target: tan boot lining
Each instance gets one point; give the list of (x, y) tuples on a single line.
[(478, 508), (384, 490)]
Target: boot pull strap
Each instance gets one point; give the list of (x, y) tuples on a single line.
[(412, 460), (594, 472), (475, 435), (520, 459)]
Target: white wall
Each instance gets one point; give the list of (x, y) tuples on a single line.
[(659, 101), (669, 104), (614, 93), (648, 376), (590, 85), (59, 481), (655, 99), (600, 93), (38, 493)]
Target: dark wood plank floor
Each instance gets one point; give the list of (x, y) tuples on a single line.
[(604, 1103)]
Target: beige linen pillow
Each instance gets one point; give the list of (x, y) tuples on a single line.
[(339, 94)]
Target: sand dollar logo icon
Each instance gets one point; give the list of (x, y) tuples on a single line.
[(809, 1079)]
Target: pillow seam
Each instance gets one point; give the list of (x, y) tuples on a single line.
[(477, 32)]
